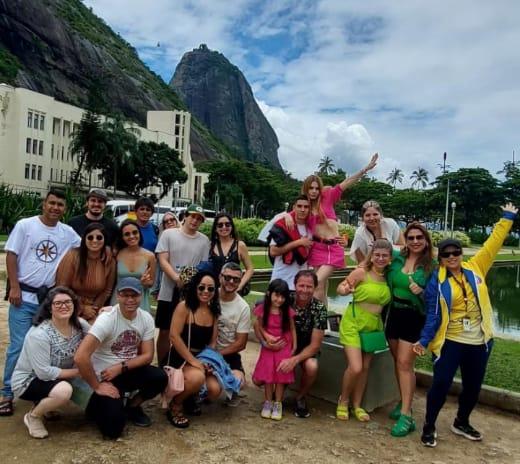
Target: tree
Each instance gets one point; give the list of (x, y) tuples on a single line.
[(326, 166), (419, 176), (396, 175)]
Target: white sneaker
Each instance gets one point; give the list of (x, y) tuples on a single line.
[(276, 413), (35, 426), (266, 409)]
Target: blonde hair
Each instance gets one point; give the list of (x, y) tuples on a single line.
[(379, 244)]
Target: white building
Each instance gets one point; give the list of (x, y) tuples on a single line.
[(36, 132)]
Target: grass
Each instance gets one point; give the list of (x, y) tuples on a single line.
[(503, 370)]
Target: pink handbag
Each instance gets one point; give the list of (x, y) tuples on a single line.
[(175, 384)]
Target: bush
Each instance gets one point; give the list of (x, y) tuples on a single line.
[(477, 236), (247, 229), (347, 229), (437, 236)]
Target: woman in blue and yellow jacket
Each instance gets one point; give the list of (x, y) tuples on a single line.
[(459, 327)]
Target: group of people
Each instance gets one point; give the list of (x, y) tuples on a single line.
[(90, 338)]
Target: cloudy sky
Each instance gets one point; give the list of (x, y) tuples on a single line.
[(344, 78)]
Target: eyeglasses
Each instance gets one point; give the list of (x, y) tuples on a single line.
[(63, 303), (447, 254), (413, 238), (95, 237), (132, 233), (203, 288), (169, 221), (220, 225), (229, 278)]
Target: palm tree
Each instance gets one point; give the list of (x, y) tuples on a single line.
[(419, 177), (326, 166), (396, 175)]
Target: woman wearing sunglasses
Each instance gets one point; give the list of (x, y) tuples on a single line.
[(89, 271), (193, 328), (226, 247), (407, 276), (459, 327), (134, 261)]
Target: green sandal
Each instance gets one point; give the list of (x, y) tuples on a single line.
[(342, 411), (403, 426), (396, 412)]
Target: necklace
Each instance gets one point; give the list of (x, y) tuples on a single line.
[(380, 274)]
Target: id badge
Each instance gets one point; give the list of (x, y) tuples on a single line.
[(466, 324)]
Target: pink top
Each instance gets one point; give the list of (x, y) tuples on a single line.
[(328, 198), (274, 322)]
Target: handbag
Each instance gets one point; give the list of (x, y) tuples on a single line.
[(175, 384), (371, 342)]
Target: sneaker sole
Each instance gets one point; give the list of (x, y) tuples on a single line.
[(26, 422), (456, 431), (302, 416), (431, 445), (276, 418)]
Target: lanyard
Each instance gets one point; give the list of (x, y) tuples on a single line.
[(462, 286)]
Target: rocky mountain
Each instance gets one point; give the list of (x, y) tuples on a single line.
[(60, 48), (218, 94)]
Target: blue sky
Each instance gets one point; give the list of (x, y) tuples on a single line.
[(408, 79)]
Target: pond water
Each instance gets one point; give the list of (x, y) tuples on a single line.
[(504, 289)]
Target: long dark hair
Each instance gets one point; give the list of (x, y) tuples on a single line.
[(45, 309), (426, 259), (120, 241), (214, 236), (83, 250), (277, 286), (192, 300)]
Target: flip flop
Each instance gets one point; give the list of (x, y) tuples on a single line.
[(6, 407)]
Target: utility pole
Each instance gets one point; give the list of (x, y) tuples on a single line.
[(447, 196)]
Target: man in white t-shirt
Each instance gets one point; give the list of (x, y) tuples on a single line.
[(290, 255), (234, 322), (177, 248), (34, 248), (115, 358)]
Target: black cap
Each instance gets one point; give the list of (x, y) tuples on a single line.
[(447, 242)]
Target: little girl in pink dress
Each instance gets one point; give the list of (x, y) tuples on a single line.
[(276, 331)]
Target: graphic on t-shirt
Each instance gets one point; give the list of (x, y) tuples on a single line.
[(126, 345), (46, 251)]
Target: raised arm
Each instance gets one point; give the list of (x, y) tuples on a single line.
[(349, 181), (243, 254)]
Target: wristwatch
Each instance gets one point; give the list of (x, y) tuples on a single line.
[(124, 367)]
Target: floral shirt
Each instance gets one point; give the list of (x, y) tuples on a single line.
[(314, 316)]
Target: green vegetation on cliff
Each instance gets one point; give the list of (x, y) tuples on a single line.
[(9, 66)]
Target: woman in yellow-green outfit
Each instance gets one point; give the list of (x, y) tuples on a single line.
[(371, 293)]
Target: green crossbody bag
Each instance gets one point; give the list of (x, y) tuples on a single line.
[(371, 342)]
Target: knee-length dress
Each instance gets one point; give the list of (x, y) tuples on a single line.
[(268, 361)]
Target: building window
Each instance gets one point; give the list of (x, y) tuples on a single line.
[(27, 170), (35, 146), (40, 148), (42, 122), (61, 175), (52, 150), (177, 130), (39, 173), (62, 152), (33, 172), (35, 121), (176, 143), (51, 173), (28, 145), (29, 119), (56, 126), (177, 119)]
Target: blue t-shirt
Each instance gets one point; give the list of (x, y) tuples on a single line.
[(149, 237)]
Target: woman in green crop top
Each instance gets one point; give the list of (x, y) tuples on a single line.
[(371, 293), (407, 277)]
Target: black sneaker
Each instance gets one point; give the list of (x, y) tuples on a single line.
[(300, 409), (137, 416), (429, 437), (466, 431)]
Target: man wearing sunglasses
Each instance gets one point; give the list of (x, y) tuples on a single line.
[(234, 322), (177, 248)]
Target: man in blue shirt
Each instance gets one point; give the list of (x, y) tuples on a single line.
[(144, 208)]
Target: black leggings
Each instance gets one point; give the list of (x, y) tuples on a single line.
[(109, 414)]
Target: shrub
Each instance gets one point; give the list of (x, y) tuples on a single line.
[(477, 236), (437, 236), (347, 229), (247, 229)]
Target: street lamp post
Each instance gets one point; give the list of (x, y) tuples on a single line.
[(453, 206), (252, 209), (286, 204)]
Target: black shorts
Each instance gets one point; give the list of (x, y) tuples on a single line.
[(235, 362), (164, 313), (404, 324), (39, 389)]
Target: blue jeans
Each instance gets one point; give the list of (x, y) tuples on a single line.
[(472, 360), (20, 321)]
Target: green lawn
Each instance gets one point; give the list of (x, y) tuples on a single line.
[(503, 369), (3, 237)]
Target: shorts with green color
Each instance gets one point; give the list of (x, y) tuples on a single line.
[(351, 325)]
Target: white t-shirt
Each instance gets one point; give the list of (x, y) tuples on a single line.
[(235, 317), (39, 249), (363, 239), (287, 272), (183, 250), (120, 337)]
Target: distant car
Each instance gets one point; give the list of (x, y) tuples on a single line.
[(124, 209)]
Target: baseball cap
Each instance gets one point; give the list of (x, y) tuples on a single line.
[(97, 192), (130, 283), (447, 242), (196, 209)]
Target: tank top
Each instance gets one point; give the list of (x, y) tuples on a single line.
[(219, 259), (122, 272), (372, 292)]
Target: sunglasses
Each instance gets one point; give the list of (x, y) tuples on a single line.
[(209, 288), (95, 237), (220, 225), (233, 279), (447, 254), (133, 233), (413, 238)]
